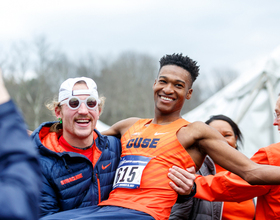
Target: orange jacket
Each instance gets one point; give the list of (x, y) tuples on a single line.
[(234, 210), (226, 186)]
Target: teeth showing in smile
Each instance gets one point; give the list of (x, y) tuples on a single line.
[(165, 98), (82, 121)]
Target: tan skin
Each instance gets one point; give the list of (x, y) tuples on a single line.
[(171, 89)]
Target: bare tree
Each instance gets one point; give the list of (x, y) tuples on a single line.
[(127, 84), (207, 85), (32, 73), (220, 77)]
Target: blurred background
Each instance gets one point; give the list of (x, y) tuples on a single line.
[(118, 43)]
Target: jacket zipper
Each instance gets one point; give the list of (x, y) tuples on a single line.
[(97, 172), (99, 190)]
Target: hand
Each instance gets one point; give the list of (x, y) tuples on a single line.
[(183, 180), (4, 97)]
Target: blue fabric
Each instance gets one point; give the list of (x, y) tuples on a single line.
[(82, 192), (100, 213), (19, 167)]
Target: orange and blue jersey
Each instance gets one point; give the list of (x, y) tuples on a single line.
[(160, 145)]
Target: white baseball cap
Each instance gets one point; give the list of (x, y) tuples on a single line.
[(66, 88)]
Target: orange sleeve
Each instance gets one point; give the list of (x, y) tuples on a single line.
[(226, 186)]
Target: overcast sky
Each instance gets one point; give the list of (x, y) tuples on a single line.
[(216, 33)]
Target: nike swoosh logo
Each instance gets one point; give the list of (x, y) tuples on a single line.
[(157, 133), (104, 167)]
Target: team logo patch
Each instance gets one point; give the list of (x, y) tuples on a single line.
[(71, 179), (142, 143)]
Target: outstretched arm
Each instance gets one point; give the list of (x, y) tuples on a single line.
[(119, 128), (211, 142), (226, 186)]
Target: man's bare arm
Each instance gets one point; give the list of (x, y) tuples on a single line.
[(213, 143), (119, 128)]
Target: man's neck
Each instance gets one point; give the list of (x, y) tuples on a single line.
[(79, 143), (163, 119)]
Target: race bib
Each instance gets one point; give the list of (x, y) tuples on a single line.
[(129, 171)]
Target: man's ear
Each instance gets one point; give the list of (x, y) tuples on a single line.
[(57, 111), (154, 84), (189, 94), (155, 81)]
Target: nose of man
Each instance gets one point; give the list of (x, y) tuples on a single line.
[(83, 109), (168, 89)]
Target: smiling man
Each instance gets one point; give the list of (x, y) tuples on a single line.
[(77, 162), (175, 142)]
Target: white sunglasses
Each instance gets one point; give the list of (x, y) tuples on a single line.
[(75, 102)]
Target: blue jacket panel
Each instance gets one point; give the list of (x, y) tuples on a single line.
[(70, 180), (19, 167)]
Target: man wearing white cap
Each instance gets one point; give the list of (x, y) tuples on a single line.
[(77, 162)]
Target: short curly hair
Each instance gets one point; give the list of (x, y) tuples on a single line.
[(182, 61)]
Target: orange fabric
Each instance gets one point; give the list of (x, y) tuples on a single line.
[(226, 186), (67, 147), (53, 142), (50, 140), (237, 211), (154, 196)]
